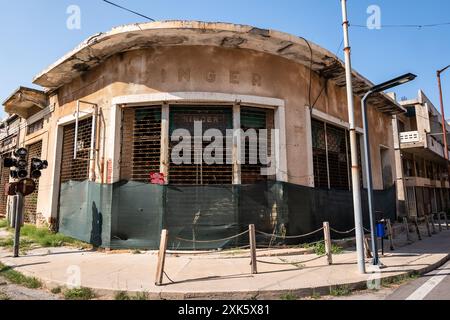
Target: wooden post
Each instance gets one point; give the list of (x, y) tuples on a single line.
[(417, 229), (391, 235), (367, 247), (327, 239), (405, 223), (439, 221), (252, 236), (427, 221), (433, 226), (161, 257)]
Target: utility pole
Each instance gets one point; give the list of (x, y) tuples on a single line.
[(18, 213), (441, 99), (357, 210)]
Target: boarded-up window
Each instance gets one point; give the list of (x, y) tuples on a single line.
[(200, 173), (331, 156), (30, 204), (4, 179), (35, 127), (257, 119), (141, 143), (76, 169)]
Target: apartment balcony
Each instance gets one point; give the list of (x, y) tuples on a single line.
[(413, 139), (410, 137), (417, 182)]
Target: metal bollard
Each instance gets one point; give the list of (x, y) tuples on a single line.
[(439, 221), (405, 224), (391, 234), (433, 225), (427, 222)]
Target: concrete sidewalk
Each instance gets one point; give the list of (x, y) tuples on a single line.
[(214, 276)]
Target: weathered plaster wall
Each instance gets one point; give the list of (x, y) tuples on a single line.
[(213, 69)]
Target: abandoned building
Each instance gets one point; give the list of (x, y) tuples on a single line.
[(105, 117), (422, 167)]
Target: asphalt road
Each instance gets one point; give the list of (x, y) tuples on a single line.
[(432, 286)]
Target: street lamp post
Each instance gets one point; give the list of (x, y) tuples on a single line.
[(378, 88), (441, 99)]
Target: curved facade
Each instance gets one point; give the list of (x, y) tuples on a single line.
[(121, 95)]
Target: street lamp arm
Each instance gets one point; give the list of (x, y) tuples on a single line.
[(442, 70)]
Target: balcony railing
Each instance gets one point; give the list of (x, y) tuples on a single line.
[(409, 137)]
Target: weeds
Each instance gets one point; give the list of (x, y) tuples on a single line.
[(79, 294), (18, 278), (4, 296), (122, 296), (398, 280), (339, 291), (141, 296), (319, 248), (288, 297), (56, 290)]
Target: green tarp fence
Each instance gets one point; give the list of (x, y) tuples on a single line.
[(131, 215)]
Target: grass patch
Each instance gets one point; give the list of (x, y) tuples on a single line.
[(79, 294), (42, 237), (3, 223), (288, 297), (45, 238), (56, 290), (339, 291), (399, 280), (319, 248), (121, 296), (18, 278)]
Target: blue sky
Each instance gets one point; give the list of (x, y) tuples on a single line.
[(33, 33)]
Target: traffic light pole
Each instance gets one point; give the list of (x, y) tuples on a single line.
[(18, 223)]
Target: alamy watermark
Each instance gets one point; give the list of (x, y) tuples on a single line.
[(73, 21), (374, 19), (250, 147)]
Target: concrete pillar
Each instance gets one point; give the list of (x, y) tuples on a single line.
[(165, 157), (236, 144)]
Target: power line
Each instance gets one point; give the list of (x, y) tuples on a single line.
[(134, 12), (416, 26)]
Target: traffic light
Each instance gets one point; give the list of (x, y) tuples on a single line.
[(19, 163), (36, 166)]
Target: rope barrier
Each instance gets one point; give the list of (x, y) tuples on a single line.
[(168, 277), (342, 232), (212, 241), (293, 262), (289, 237)]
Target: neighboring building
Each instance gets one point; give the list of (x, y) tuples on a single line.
[(422, 169), (9, 133), (28, 127), (135, 85)]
